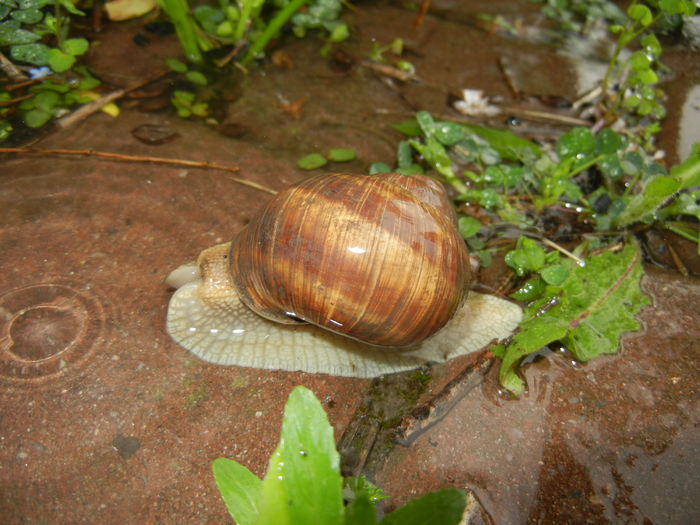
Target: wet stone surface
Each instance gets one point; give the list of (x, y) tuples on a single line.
[(103, 419)]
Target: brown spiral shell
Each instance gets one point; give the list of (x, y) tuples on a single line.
[(376, 258)]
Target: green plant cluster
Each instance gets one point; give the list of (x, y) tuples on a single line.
[(188, 102), (604, 183), (629, 88), (638, 74), (35, 35), (303, 484), (581, 16), (24, 23), (252, 22), (52, 98)]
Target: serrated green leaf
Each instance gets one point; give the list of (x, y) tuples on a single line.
[(239, 488), (597, 304), (442, 507), (644, 204), (303, 482)]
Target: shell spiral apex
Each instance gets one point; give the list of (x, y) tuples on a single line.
[(377, 259)]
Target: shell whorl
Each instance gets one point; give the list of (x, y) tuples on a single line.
[(375, 258)]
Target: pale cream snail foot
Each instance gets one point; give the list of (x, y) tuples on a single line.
[(226, 332)]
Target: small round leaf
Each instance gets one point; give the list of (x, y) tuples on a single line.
[(342, 155), (312, 161)]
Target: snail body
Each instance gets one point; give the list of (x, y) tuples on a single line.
[(375, 264)]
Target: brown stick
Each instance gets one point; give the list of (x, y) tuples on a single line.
[(137, 158), (93, 106)]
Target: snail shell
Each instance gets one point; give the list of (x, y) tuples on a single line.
[(375, 259)]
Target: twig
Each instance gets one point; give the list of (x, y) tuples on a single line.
[(91, 107), (563, 250), (137, 158), (389, 71), (422, 11), (15, 74)]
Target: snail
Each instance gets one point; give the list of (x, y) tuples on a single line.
[(362, 276)]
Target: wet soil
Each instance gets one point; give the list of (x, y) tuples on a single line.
[(103, 419)]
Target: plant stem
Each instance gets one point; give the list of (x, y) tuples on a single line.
[(272, 29)]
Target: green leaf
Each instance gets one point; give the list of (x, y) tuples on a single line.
[(342, 155), (46, 100), (404, 155), (339, 33), (505, 142), (575, 142), (639, 61), (70, 7), (608, 142), (597, 304), (11, 34), (528, 257), (27, 16), (60, 61), (239, 488), (5, 129), (448, 133), (641, 14), (379, 167), (36, 118), (555, 274), (468, 226), (360, 486), (360, 512), (654, 194), (672, 7), (75, 46), (651, 44), (530, 290), (303, 483), (688, 172), (176, 65), (409, 128), (35, 53), (312, 161), (196, 78), (442, 507)]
